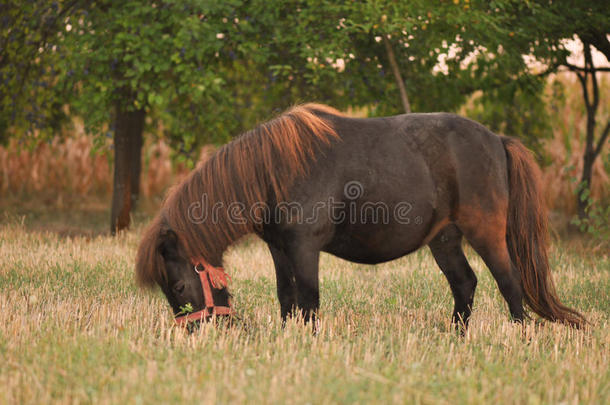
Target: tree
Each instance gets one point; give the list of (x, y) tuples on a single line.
[(545, 25), (123, 66), (131, 60), (392, 56), (593, 147), (331, 52)]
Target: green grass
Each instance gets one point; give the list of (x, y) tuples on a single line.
[(75, 329)]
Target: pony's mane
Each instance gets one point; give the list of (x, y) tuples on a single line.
[(257, 167)]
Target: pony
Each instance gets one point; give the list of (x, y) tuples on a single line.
[(367, 190)]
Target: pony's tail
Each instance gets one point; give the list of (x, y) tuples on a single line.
[(527, 236)]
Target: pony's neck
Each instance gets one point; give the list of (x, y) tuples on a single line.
[(231, 219), (260, 166)]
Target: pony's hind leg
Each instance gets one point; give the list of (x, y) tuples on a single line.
[(486, 233), (447, 250)]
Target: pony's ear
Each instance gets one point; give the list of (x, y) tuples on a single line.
[(168, 246)]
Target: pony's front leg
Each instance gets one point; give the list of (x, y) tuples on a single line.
[(286, 286), (305, 262)]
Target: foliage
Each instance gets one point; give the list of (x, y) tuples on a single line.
[(597, 221), (334, 52), (171, 58), (30, 98), (209, 69), (516, 109), (164, 57), (205, 70), (186, 309)]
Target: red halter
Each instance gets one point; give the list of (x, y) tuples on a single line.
[(210, 276)]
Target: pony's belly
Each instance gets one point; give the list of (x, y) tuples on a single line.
[(367, 257), (375, 247)]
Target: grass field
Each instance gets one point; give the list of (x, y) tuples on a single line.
[(75, 329)]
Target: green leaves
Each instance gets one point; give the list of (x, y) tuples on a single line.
[(210, 69), (596, 223), (29, 98), (186, 309), (165, 56)]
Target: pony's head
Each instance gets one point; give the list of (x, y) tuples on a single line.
[(194, 289)]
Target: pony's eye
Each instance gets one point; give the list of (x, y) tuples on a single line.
[(179, 287)]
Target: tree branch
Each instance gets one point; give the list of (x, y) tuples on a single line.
[(602, 140), (598, 39), (397, 75), (554, 67), (589, 63), (585, 69), (585, 91)]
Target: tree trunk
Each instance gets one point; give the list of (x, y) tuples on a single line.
[(397, 76), (591, 103), (587, 164), (585, 184), (135, 150), (127, 160)]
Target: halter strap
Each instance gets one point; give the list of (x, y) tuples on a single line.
[(211, 277)]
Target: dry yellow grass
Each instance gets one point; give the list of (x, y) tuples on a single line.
[(74, 329)]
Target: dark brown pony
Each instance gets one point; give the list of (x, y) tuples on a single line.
[(366, 190)]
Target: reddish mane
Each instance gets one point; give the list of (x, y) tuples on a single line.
[(258, 166)]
